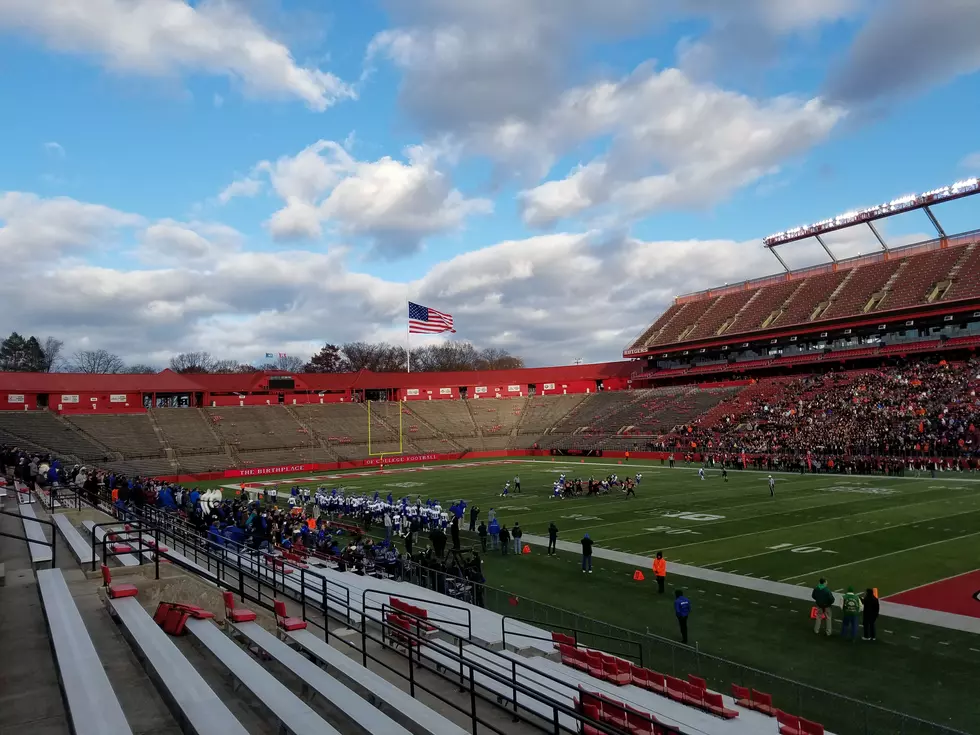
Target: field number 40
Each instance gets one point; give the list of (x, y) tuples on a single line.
[(799, 549)]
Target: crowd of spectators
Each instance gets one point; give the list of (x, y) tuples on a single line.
[(920, 414)]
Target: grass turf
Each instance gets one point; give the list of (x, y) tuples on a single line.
[(890, 533)]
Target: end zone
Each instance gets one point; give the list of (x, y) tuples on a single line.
[(959, 595)]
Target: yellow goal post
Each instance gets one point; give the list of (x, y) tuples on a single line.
[(386, 417)]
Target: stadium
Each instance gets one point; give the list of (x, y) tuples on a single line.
[(815, 424)]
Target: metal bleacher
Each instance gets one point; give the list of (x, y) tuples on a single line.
[(90, 700), (191, 698)]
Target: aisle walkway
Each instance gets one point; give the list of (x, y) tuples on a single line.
[(792, 591)]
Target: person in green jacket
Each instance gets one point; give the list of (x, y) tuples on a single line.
[(824, 599), (852, 609)]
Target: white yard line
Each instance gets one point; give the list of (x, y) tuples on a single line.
[(929, 584), (881, 556)]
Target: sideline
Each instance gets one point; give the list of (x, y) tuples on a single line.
[(936, 618)]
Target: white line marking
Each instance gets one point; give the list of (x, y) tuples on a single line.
[(881, 556)]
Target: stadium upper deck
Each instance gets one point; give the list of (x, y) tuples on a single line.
[(936, 277)]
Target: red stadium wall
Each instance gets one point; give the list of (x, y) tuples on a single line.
[(76, 403), (13, 401)]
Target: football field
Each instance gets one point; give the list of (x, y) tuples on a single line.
[(893, 534), (920, 536)]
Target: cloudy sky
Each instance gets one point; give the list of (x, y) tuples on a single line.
[(251, 176)]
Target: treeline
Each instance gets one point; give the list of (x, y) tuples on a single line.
[(35, 355), (382, 357)]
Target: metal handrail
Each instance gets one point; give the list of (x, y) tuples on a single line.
[(28, 539)]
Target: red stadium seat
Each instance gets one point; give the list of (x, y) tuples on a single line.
[(239, 615), (284, 622), (715, 704), (116, 591), (788, 724)]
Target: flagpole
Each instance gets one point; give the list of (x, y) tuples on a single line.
[(408, 346)]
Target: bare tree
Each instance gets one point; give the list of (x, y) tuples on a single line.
[(96, 361), (494, 358), (51, 348), (140, 369), (193, 362), (224, 366)]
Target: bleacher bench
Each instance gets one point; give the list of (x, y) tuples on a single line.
[(194, 703), (40, 552), (80, 548), (91, 703), (396, 703), (294, 714)]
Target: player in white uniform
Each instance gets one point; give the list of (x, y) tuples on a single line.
[(772, 487), (506, 490), (701, 472), (274, 494)]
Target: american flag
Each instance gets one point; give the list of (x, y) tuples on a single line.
[(423, 320)]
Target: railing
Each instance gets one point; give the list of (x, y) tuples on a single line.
[(227, 570), (575, 633), (837, 712), (28, 539)]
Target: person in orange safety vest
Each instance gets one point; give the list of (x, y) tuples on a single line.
[(660, 571)]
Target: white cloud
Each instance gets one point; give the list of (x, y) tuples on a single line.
[(906, 46), (203, 289), (53, 148), (676, 143), (33, 229), (971, 162), (394, 204), (247, 187), (172, 242), (157, 37)]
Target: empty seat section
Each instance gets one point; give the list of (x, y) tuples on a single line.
[(966, 281), (543, 412), (130, 434), (258, 427), (498, 417), (919, 277), (865, 283), (688, 317), (46, 430), (769, 299), (724, 308), (450, 416), (657, 326), (813, 291), (187, 430)]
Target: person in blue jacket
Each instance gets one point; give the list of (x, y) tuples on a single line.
[(682, 609)]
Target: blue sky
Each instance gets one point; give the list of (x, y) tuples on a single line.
[(251, 176)]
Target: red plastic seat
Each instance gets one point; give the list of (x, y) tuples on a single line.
[(117, 590), (594, 661), (562, 639), (286, 623), (121, 548), (656, 681), (640, 723), (788, 724), (742, 696), (614, 713), (639, 676), (715, 704), (693, 695), (239, 615), (811, 728), (593, 712), (697, 681), (762, 702), (676, 689)]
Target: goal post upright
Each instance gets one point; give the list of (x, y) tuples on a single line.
[(400, 432)]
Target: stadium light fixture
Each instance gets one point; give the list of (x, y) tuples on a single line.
[(907, 203)]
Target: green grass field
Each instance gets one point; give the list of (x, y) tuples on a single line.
[(889, 533)]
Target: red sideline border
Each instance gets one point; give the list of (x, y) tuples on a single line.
[(393, 460)]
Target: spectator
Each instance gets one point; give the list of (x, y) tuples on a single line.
[(474, 515), (824, 599), (482, 530), (494, 530), (517, 533), (504, 540), (682, 609), (870, 614), (852, 608), (454, 532), (586, 554), (552, 539), (660, 571)]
